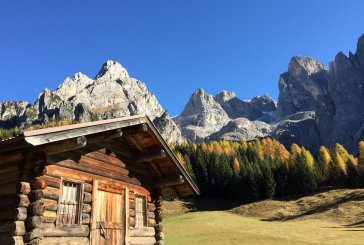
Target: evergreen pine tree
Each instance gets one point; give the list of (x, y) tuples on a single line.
[(352, 178)]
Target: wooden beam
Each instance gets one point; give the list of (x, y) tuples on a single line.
[(104, 136), (11, 157), (95, 208), (141, 128), (127, 209), (169, 181), (121, 149), (66, 145), (149, 156)]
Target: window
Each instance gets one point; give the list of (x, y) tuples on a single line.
[(69, 209), (140, 212)]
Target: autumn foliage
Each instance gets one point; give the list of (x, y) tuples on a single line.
[(259, 169)]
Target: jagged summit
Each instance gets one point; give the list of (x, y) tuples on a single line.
[(112, 70), (71, 86), (200, 102), (111, 94), (224, 96), (303, 64)]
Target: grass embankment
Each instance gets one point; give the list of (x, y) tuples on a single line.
[(333, 217)]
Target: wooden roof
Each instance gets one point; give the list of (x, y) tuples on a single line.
[(134, 139)]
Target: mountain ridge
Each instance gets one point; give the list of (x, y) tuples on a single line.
[(317, 105)]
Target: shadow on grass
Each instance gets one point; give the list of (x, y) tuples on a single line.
[(209, 204), (358, 224), (322, 208)]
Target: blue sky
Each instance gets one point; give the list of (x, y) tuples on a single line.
[(174, 47)]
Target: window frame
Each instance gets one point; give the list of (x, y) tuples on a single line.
[(80, 203), (145, 213)]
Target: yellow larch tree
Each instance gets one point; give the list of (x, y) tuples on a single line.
[(236, 166)]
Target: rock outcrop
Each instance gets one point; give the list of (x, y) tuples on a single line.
[(242, 128), (301, 86), (342, 119), (335, 96), (111, 94), (316, 105), (201, 117), (225, 116)]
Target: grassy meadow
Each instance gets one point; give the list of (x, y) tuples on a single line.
[(224, 227)]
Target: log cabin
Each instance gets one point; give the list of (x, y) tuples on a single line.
[(95, 183)]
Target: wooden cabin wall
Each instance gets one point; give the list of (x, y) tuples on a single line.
[(111, 175), (14, 190)]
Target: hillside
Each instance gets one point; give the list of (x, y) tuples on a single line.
[(329, 217)]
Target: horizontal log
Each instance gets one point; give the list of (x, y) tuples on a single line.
[(102, 165), (8, 168), (63, 146), (132, 212), (169, 182), (37, 208), (149, 156), (16, 228), (159, 219), (49, 214), (86, 208), (44, 181), (86, 219), (138, 129), (87, 197), (64, 240), (11, 240), (8, 201), (10, 157), (8, 189), (24, 188), (93, 169), (19, 214), (142, 232), (151, 207), (73, 231), (9, 177), (151, 222), (49, 193), (38, 221), (22, 200), (106, 158), (142, 240), (159, 236), (89, 176), (158, 212), (158, 227), (159, 203), (151, 215), (33, 234)]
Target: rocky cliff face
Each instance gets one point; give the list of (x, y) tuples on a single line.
[(316, 105), (342, 119), (225, 116), (111, 94), (333, 98), (201, 117), (301, 86)]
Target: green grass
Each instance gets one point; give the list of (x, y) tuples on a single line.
[(222, 227)]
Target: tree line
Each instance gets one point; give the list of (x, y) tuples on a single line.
[(260, 169)]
